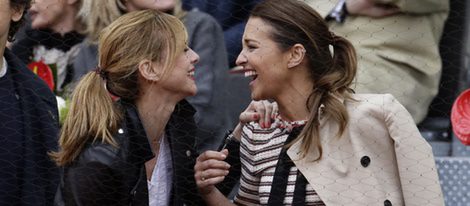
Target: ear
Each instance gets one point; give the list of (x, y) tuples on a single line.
[(150, 70), (17, 13), (296, 55)]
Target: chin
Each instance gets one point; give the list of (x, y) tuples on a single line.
[(193, 92), (257, 97)]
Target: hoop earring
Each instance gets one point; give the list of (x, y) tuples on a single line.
[(121, 5)]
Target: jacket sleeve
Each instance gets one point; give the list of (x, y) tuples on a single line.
[(416, 165), (405, 6), (418, 6), (95, 183)]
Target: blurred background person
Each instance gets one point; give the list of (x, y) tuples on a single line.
[(28, 122), (231, 15), (50, 43), (397, 45)]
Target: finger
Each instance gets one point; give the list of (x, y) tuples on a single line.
[(246, 117), (261, 110), (209, 182), (212, 173), (267, 114), (211, 164), (211, 155), (225, 152), (275, 110)]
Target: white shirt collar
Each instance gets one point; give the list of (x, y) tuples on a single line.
[(3, 69)]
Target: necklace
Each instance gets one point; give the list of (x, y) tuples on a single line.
[(288, 125)]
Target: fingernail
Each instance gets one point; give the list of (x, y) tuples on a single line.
[(223, 156)]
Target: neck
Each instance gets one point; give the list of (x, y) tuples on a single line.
[(292, 100), (155, 111), (67, 24)]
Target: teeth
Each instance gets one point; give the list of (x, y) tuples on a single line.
[(250, 73), (191, 73)]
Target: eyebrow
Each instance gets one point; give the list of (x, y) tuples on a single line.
[(247, 40)]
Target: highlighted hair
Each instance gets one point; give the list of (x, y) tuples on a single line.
[(134, 37)]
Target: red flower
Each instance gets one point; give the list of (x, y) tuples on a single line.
[(44, 72)]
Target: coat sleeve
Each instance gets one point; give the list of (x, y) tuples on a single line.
[(419, 6), (416, 165), (405, 6), (95, 183)]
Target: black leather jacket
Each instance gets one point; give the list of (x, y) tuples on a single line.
[(105, 175)]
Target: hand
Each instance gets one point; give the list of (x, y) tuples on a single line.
[(370, 8), (210, 169), (261, 111)]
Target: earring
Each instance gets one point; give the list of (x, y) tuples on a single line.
[(121, 5)]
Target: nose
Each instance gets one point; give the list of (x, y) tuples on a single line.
[(194, 57), (241, 59)]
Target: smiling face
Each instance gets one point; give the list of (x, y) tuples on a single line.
[(262, 60), (46, 13), (161, 5), (180, 79)]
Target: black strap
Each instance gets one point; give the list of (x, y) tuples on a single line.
[(281, 175), (300, 189)]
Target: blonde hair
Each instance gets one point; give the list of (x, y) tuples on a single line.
[(97, 14), (296, 22), (130, 39)]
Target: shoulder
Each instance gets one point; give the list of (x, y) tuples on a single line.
[(198, 16), (197, 19), (98, 153), (28, 82), (378, 103), (377, 109)]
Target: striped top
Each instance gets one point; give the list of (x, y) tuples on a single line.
[(259, 153)]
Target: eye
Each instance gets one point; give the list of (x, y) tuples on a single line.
[(251, 47), (186, 49)]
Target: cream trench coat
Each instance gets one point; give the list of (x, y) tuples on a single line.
[(381, 158), (398, 54)]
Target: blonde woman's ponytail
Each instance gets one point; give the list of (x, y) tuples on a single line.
[(92, 116)]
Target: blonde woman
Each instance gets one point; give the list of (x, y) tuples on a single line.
[(327, 146), (110, 151), (205, 36)]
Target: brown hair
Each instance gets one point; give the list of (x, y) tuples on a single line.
[(14, 26), (296, 22), (130, 39)]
